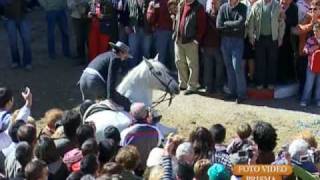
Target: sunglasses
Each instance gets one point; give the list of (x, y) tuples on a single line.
[(313, 9)]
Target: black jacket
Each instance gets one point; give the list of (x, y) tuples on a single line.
[(108, 65)]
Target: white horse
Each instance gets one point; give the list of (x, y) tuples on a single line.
[(137, 86)]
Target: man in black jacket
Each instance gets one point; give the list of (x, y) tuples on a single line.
[(98, 81)]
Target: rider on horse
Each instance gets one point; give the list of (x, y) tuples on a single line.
[(98, 81)]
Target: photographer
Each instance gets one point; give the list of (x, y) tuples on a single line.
[(6, 104)]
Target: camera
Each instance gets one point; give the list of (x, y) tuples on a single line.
[(247, 153)]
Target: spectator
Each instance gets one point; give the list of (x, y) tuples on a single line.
[(156, 173), (70, 121), (85, 132), (218, 132), (312, 48), (249, 50), (13, 130), (303, 8), (138, 30), (89, 165), (56, 15), (221, 155), (80, 23), (286, 61), (217, 172), (266, 31), (304, 29), (265, 137), (111, 168), (6, 104), (17, 23), (201, 168), (231, 23), (158, 17), (243, 133), (16, 161), (75, 176), (28, 133), (108, 149), (142, 134), (213, 66), (111, 132), (189, 30), (103, 26), (90, 146), (36, 170), (300, 156), (185, 156), (51, 117), (129, 158), (202, 143), (46, 151), (308, 137)]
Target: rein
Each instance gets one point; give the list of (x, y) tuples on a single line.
[(162, 98)]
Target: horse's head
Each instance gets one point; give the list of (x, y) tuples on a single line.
[(159, 76)]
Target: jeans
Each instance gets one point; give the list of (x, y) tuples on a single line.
[(22, 27), (311, 79), (213, 68), (163, 42), (266, 61), (232, 51), (58, 17), (140, 46), (187, 62)]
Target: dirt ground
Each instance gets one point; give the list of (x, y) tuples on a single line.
[(53, 83)]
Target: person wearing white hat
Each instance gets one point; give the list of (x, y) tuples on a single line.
[(98, 81)]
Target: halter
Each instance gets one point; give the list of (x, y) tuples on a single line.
[(163, 97)]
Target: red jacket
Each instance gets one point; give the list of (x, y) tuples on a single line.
[(201, 22), (159, 18)]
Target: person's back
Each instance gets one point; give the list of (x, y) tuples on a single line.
[(70, 121), (101, 63), (145, 137)]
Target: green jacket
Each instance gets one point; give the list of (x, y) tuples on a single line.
[(277, 21), (50, 5)]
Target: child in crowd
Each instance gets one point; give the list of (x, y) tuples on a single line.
[(218, 133), (312, 73), (243, 133)]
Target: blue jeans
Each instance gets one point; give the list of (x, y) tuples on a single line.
[(22, 27), (58, 17), (163, 42), (232, 51), (140, 46), (311, 79), (213, 69)]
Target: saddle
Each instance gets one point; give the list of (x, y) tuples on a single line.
[(102, 106)]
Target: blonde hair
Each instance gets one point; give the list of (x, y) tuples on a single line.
[(308, 137), (200, 169), (156, 173), (14, 116), (244, 130), (52, 116)]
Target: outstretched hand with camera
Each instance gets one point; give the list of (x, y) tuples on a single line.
[(27, 96)]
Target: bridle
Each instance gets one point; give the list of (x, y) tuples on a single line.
[(162, 98)]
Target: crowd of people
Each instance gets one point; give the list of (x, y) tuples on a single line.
[(239, 43), (67, 147)]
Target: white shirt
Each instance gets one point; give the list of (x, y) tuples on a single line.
[(5, 139)]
